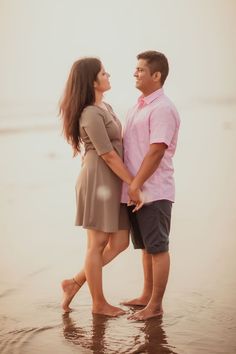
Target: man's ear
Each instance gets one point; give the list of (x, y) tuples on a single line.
[(157, 76)]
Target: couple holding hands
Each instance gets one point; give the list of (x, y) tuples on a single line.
[(126, 182)]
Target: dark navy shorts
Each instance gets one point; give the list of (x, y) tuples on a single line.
[(150, 226)]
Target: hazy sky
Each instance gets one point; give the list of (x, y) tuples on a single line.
[(40, 39)]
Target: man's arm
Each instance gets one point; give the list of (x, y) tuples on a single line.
[(149, 165)]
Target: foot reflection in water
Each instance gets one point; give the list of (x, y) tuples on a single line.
[(87, 337), (155, 339), (107, 335)]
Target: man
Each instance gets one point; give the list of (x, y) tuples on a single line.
[(150, 138)]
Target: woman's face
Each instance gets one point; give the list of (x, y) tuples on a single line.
[(102, 82)]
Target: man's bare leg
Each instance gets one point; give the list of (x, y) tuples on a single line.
[(144, 298), (117, 243), (161, 266)]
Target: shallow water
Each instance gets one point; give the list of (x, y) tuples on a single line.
[(40, 246)]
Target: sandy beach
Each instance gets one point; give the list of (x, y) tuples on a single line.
[(40, 246)]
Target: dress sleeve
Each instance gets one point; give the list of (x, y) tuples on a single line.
[(162, 126), (95, 128)]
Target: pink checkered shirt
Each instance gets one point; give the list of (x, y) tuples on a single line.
[(154, 119)]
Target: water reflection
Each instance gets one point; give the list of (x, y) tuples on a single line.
[(155, 339), (89, 338), (107, 335)]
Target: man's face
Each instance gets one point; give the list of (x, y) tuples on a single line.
[(144, 79)]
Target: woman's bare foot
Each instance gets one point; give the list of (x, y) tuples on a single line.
[(139, 301), (108, 310), (146, 314), (70, 288)]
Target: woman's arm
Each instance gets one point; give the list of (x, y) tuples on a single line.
[(116, 164)]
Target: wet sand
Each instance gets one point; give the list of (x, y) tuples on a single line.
[(40, 246)]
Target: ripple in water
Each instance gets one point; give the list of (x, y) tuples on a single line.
[(14, 342), (108, 335)]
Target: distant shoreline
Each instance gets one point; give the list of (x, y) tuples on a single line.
[(26, 129)]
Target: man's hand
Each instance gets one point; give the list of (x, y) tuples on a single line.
[(149, 165)]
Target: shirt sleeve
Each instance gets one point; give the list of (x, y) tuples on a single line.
[(162, 125), (94, 126)]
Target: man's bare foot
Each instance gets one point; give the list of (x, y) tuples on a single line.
[(70, 288), (107, 310), (146, 314), (139, 301)]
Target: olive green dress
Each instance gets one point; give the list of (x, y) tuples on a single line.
[(98, 188)]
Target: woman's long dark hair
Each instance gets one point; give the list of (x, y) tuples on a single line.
[(79, 93)]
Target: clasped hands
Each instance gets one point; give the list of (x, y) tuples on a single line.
[(135, 197)]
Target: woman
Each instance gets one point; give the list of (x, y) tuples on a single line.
[(89, 121)]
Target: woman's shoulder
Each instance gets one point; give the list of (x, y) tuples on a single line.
[(90, 111), (90, 114), (90, 108)]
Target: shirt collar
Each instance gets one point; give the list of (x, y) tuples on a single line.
[(145, 100)]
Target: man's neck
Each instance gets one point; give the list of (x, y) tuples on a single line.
[(149, 92)]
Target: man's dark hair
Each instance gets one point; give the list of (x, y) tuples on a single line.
[(156, 61)]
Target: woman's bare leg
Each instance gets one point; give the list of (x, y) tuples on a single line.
[(117, 243), (93, 271)]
